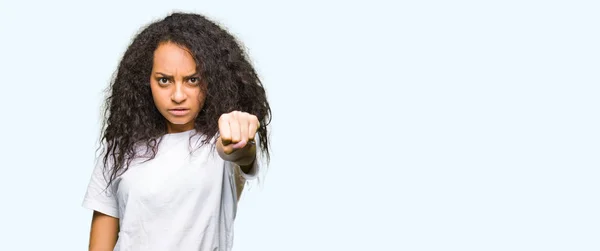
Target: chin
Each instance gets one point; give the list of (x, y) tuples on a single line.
[(180, 122)]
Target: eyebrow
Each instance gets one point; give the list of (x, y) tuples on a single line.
[(169, 76)]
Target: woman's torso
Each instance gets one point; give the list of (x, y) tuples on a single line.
[(180, 200)]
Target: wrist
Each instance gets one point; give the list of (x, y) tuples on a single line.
[(247, 161), (241, 157)]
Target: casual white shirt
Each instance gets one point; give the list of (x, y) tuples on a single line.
[(183, 199)]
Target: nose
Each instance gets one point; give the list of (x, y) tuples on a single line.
[(178, 95)]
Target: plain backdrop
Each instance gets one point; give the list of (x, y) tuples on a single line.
[(398, 125)]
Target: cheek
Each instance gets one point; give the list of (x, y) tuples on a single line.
[(158, 96)]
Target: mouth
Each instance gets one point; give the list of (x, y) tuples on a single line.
[(179, 111)]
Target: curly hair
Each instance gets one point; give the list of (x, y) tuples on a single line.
[(131, 117)]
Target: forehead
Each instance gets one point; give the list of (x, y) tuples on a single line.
[(172, 57)]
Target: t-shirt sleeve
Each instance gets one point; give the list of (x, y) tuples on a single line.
[(256, 166), (253, 173), (98, 196)]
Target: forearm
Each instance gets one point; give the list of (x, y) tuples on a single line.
[(104, 232), (243, 157)]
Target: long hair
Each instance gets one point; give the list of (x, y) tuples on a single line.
[(131, 117)]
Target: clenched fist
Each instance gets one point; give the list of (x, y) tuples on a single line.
[(237, 131)]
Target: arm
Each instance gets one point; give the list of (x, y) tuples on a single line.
[(104, 232), (102, 201), (243, 157), (236, 144), (236, 141)]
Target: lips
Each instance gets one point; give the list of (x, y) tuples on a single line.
[(179, 111)]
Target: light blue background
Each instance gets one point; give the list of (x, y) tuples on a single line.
[(410, 125)]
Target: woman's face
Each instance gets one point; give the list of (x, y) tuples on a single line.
[(176, 87)]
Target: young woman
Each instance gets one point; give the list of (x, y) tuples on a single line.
[(186, 127)]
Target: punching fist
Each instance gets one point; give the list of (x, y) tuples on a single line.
[(237, 131)]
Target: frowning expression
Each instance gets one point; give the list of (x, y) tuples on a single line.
[(176, 86)]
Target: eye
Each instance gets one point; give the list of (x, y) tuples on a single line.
[(163, 81), (194, 81)]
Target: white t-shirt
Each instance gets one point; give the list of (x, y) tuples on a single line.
[(180, 200)]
